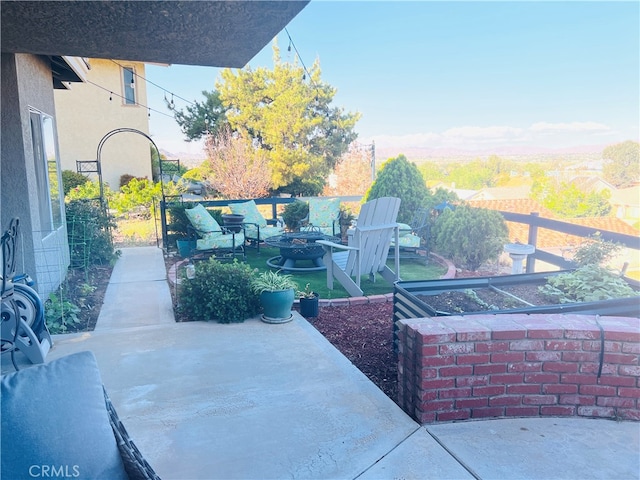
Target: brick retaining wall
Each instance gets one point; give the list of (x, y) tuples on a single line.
[(457, 368)]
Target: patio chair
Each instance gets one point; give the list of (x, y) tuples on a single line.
[(214, 239), (256, 228), (58, 415), (414, 236), (323, 216), (368, 248)]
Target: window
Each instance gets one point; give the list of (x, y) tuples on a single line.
[(129, 85), (47, 170)]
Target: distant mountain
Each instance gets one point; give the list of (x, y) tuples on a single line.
[(189, 160)]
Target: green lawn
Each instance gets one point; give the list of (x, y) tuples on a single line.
[(409, 270)]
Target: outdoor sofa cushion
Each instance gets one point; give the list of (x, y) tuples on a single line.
[(253, 217), (324, 214), (212, 236), (54, 420)]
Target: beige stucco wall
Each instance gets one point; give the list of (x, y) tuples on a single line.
[(85, 114), (43, 254)]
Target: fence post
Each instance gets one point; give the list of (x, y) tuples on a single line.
[(532, 240), (163, 220)]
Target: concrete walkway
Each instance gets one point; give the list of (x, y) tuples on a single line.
[(259, 401)]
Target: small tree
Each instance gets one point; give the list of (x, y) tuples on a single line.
[(402, 179), (352, 175), (237, 169), (470, 236)]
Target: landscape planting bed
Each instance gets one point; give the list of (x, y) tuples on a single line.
[(498, 294)]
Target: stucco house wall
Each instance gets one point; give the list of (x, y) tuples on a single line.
[(42, 253), (85, 114)]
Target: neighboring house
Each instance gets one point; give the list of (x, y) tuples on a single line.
[(85, 113), (626, 204), (40, 45)]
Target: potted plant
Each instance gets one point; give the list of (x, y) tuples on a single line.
[(308, 302), (277, 294)]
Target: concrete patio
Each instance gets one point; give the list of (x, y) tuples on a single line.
[(259, 401)]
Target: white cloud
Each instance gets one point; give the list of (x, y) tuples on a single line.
[(574, 127)]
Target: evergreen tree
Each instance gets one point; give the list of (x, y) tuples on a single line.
[(400, 178)]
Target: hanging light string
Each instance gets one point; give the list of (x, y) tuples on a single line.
[(112, 94), (292, 44)]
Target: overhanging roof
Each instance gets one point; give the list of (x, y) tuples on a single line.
[(221, 33)]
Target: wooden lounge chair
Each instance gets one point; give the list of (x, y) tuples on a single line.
[(368, 248)]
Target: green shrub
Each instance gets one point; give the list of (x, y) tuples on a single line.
[(71, 179), (293, 213), (402, 179), (87, 191), (126, 178), (595, 251), (589, 283), (89, 233), (220, 291), (470, 236), (60, 314), (137, 196)]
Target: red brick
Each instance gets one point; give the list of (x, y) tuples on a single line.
[(596, 412), (613, 347), (631, 348), (489, 390), (453, 415), (523, 411), (505, 400), (523, 389), (428, 350), (541, 378), (632, 370), (525, 367), (597, 390), (506, 378), (543, 356), (456, 348), (562, 367), (632, 335), (607, 368), (437, 405), (559, 388), (508, 333), (591, 346), (580, 357), (428, 396), (487, 412), (474, 334), (454, 392), (491, 368), (629, 392), (437, 383), (425, 417), (616, 402), (618, 381), (621, 358), (473, 358), (471, 381), (555, 345), (445, 337), (438, 361), (528, 345), (539, 400), (582, 334), (482, 347), (471, 402), (507, 357), (578, 378), (577, 400), (545, 333), (629, 414), (426, 373), (456, 371), (557, 410)]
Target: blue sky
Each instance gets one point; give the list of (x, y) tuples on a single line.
[(442, 77)]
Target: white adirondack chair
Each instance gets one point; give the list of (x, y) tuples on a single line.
[(368, 248)]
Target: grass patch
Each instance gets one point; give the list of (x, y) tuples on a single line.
[(409, 270)]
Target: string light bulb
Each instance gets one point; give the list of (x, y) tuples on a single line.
[(110, 96)]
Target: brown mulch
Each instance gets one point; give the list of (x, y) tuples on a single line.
[(75, 289)]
